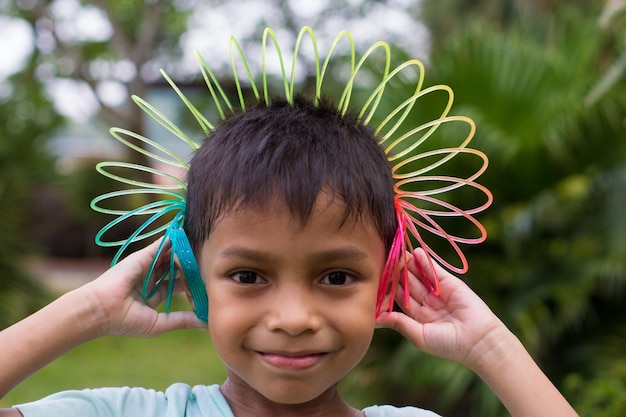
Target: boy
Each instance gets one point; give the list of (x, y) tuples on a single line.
[(290, 212)]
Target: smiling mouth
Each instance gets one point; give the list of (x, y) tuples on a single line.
[(294, 362)]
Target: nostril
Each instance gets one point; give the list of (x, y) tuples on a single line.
[(293, 318)]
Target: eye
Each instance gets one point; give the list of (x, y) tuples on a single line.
[(338, 278), (247, 277)]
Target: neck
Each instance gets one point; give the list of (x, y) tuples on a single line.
[(247, 402)]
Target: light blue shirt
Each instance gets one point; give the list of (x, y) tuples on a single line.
[(179, 400)]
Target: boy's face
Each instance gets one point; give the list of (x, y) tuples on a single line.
[(292, 305)]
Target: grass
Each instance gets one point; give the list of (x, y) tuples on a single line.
[(181, 356)]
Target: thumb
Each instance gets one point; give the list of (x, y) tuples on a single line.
[(177, 320), (403, 324)]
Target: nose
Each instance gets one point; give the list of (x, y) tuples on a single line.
[(294, 311)]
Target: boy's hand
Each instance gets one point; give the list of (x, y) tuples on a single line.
[(451, 325), (109, 305), (458, 325), (118, 308)]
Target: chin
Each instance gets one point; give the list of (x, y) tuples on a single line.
[(293, 394)]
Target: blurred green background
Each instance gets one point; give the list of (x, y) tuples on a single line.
[(544, 81)]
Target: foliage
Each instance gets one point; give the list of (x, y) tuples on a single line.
[(553, 267), (611, 20), (26, 116), (126, 53), (602, 396)]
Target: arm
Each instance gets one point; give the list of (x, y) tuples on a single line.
[(458, 325), (109, 305)]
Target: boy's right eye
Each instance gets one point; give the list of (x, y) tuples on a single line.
[(247, 277)]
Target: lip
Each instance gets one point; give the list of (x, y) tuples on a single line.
[(293, 361)]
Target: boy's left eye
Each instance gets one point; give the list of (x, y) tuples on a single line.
[(338, 278)]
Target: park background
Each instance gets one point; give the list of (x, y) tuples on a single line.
[(543, 79)]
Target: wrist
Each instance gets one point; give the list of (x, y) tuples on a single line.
[(494, 351), (85, 313), (507, 368)]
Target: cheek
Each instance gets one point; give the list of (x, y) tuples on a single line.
[(226, 317), (228, 326), (358, 318), (225, 312)]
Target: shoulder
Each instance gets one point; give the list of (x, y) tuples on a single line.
[(391, 411), (177, 400)]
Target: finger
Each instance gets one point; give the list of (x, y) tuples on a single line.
[(424, 267), (143, 256), (419, 270), (136, 264), (417, 291), (162, 293), (185, 289), (424, 264)]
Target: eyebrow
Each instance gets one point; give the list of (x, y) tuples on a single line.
[(348, 253)]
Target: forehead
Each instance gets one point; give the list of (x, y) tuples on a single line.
[(274, 227), (327, 211)]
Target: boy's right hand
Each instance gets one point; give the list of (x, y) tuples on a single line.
[(109, 305), (118, 309)]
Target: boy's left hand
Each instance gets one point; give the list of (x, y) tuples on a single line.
[(451, 325)]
